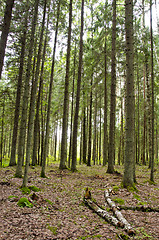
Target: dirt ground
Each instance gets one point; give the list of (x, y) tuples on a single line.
[(59, 211)]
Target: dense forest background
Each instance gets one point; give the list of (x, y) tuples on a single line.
[(79, 84)]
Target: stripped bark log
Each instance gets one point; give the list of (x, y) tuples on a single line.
[(102, 213), (118, 214)]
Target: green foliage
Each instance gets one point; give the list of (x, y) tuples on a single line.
[(34, 188), (25, 190), (118, 200), (24, 202)]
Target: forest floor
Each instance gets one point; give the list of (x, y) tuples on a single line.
[(59, 212)]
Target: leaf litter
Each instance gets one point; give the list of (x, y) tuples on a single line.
[(58, 210)]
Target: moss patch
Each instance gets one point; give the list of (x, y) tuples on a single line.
[(24, 202)]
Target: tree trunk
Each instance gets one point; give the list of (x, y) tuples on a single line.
[(5, 31), (50, 95), (152, 93), (84, 136), (95, 132), (90, 127), (26, 96), (72, 106), (2, 131), (33, 101), (66, 96), (129, 164), (36, 122), (75, 125), (111, 150), (105, 140), (18, 95)]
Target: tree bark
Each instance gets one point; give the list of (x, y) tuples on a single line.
[(152, 93), (36, 122), (22, 133), (129, 164), (50, 96), (105, 140), (5, 31), (111, 149), (18, 95), (66, 96), (75, 125), (33, 102)]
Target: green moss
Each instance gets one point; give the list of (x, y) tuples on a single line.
[(115, 188), (24, 202), (132, 188), (119, 200), (12, 196), (25, 190), (52, 229), (34, 188)]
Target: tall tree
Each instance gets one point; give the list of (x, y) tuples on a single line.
[(18, 94), (21, 143), (75, 125), (152, 93), (105, 140), (33, 102), (111, 149), (129, 163), (66, 96), (50, 95), (36, 122), (72, 106), (5, 31)]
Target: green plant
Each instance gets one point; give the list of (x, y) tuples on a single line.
[(24, 202)]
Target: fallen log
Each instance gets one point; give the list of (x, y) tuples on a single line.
[(102, 213), (139, 208), (118, 214)]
